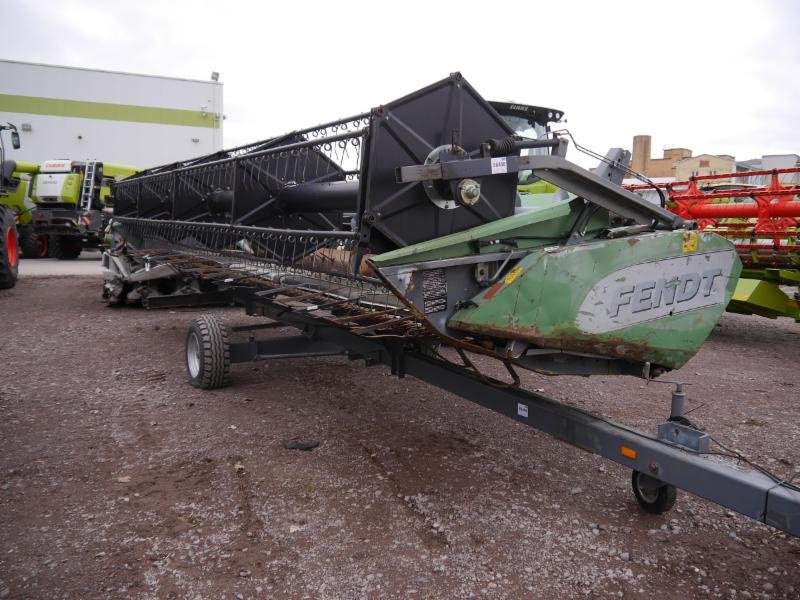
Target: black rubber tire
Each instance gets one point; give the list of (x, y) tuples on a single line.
[(65, 247), (33, 245), (657, 501), (9, 249), (207, 341)]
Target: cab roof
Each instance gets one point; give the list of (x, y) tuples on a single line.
[(538, 114)]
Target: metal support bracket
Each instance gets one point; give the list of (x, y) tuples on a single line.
[(553, 169), (282, 347), (214, 298), (684, 437)]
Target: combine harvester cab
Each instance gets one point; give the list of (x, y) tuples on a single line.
[(399, 236), (72, 203)]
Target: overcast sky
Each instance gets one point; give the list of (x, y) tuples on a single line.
[(720, 77)]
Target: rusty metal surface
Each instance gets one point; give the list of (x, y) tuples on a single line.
[(338, 300), (382, 312)]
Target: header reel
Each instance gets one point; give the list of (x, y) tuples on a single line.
[(418, 197)]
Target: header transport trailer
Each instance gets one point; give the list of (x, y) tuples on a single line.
[(397, 236)]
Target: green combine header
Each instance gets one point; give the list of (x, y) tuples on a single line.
[(402, 237)]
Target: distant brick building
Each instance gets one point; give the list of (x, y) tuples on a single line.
[(679, 162)]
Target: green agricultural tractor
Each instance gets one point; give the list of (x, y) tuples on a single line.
[(72, 207), (9, 239), (18, 199)]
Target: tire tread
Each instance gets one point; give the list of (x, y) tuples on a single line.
[(215, 362), (665, 500), (63, 247), (8, 274)]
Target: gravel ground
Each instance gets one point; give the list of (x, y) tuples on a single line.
[(119, 480)]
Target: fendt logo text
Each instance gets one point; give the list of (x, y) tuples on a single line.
[(649, 295), (655, 290)]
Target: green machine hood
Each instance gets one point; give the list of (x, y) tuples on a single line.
[(652, 298), (647, 299)]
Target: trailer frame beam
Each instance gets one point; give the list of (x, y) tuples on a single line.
[(747, 491)]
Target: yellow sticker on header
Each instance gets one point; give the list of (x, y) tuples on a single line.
[(689, 241), (512, 275)]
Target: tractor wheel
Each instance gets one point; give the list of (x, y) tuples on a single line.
[(654, 496), (33, 245), (9, 249), (64, 247), (208, 353)]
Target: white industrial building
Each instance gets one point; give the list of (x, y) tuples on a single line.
[(121, 118)]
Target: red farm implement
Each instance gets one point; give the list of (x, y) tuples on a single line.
[(759, 212)]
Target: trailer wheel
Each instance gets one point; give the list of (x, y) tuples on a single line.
[(33, 245), (208, 353), (64, 247), (653, 495), (9, 249)]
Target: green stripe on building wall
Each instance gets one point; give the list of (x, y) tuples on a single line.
[(57, 107)]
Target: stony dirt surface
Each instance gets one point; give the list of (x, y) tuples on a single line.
[(119, 480)]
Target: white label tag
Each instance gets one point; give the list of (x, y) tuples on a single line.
[(522, 409), (499, 165)]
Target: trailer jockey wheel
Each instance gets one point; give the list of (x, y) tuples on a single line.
[(208, 353), (652, 494)]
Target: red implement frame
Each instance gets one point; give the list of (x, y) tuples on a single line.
[(773, 214)]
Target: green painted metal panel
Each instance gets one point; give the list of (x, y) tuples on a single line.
[(537, 187), (776, 275), (69, 191), (15, 200), (118, 171), (654, 297), (764, 298), (536, 228), (25, 167)]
